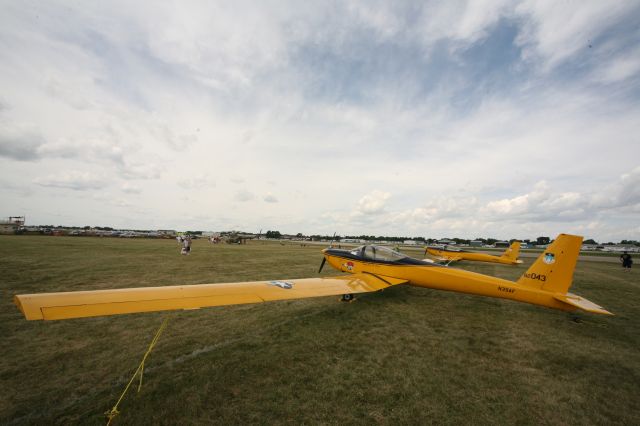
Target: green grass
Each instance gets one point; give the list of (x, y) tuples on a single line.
[(404, 356)]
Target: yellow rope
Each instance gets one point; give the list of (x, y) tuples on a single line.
[(111, 414)]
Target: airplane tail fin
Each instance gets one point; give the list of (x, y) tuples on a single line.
[(553, 272), (512, 252), (553, 269)]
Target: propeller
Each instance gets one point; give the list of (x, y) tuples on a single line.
[(324, 259)]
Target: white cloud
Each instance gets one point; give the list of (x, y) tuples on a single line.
[(76, 180), (372, 203), (20, 143), (622, 67), (434, 102), (462, 21), (270, 198), (200, 181), (141, 170), (555, 31), (130, 188), (244, 196), (521, 204)]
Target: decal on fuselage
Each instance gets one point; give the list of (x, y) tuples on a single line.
[(549, 258), (348, 266), (507, 289), (534, 276), (282, 284)]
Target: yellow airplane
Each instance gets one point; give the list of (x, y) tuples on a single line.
[(370, 268), (448, 255)]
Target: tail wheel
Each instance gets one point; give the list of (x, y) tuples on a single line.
[(347, 297)]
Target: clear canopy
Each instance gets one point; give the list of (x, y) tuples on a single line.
[(380, 253)]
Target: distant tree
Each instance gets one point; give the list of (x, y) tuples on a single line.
[(273, 234), (589, 241), (299, 235), (543, 240)]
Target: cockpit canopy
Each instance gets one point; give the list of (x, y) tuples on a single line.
[(378, 253)]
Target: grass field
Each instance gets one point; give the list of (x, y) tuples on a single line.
[(404, 356)]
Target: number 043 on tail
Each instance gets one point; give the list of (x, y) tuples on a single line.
[(369, 268)]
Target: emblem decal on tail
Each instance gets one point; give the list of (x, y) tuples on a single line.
[(282, 284), (549, 258)]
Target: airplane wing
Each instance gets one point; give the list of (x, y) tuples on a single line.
[(449, 259), (443, 256), (79, 304), (455, 258)]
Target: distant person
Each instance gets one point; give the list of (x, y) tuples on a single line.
[(626, 260), (186, 245)]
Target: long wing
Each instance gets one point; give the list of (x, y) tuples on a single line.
[(79, 304)]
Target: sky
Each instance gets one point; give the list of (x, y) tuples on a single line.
[(502, 119)]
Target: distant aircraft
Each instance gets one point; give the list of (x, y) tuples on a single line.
[(370, 268), (448, 255)]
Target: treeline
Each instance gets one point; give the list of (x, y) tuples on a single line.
[(422, 240)]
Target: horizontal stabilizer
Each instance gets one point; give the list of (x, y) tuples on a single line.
[(79, 304), (582, 303)]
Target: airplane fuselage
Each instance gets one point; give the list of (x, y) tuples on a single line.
[(468, 255), (423, 274)]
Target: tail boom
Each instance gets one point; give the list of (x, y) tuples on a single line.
[(546, 282)]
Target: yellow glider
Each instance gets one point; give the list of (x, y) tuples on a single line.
[(371, 268), (448, 255)]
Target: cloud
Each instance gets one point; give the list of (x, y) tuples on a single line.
[(202, 181), (553, 32), (21, 144), (86, 150), (541, 204), (270, 198), (521, 204), (619, 68), (141, 170), (461, 21), (629, 188), (545, 209), (243, 196), (478, 116), (76, 180), (372, 203), (623, 194), (130, 188)]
